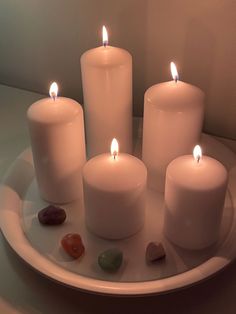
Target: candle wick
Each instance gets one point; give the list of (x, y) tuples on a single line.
[(176, 79), (53, 96), (115, 155), (198, 158), (105, 43)]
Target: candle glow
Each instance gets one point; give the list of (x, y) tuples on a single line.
[(174, 72), (53, 90), (114, 148), (197, 153), (104, 36)]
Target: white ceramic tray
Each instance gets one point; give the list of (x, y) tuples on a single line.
[(40, 247)]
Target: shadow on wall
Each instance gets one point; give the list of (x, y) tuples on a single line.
[(43, 41), (204, 66), (199, 55), (128, 30), (199, 58), (200, 38)]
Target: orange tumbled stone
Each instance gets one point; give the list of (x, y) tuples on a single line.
[(73, 245)]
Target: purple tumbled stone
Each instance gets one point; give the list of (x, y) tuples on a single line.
[(51, 215)]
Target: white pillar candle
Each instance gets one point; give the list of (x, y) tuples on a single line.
[(114, 194), (107, 89), (56, 128), (194, 200), (173, 117)]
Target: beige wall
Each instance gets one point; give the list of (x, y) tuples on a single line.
[(42, 41)]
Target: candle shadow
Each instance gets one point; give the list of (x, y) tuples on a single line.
[(62, 256), (185, 259), (207, 65), (20, 176), (136, 43), (182, 260), (46, 239), (199, 52), (219, 151), (199, 58)]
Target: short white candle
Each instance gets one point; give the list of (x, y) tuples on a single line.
[(56, 128), (194, 200), (107, 89), (114, 194), (173, 117)]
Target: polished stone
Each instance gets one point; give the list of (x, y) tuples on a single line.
[(110, 260)]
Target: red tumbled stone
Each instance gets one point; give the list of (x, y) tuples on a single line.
[(73, 245)]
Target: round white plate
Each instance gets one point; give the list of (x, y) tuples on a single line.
[(40, 247)]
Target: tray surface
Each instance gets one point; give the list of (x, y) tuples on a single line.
[(40, 247)]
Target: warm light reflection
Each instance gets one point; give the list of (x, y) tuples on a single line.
[(104, 36), (53, 90), (197, 153), (174, 72), (114, 148)]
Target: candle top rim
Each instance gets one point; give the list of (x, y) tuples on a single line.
[(106, 56), (174, 96), (49, 111), (125, 173), (208, 173)]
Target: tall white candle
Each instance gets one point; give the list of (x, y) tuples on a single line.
[(114, 194), (194, 199), (173, 117), (107, 90), (56, 128)]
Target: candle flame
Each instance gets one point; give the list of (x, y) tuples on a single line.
[(104, 36), (53, 90), (174, 72), (114, 148), (197, 153)]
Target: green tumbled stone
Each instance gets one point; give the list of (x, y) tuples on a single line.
[(110, 260)]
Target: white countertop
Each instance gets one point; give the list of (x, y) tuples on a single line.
[(22, 290)]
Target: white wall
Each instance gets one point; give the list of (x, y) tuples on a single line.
[(41, 41)]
